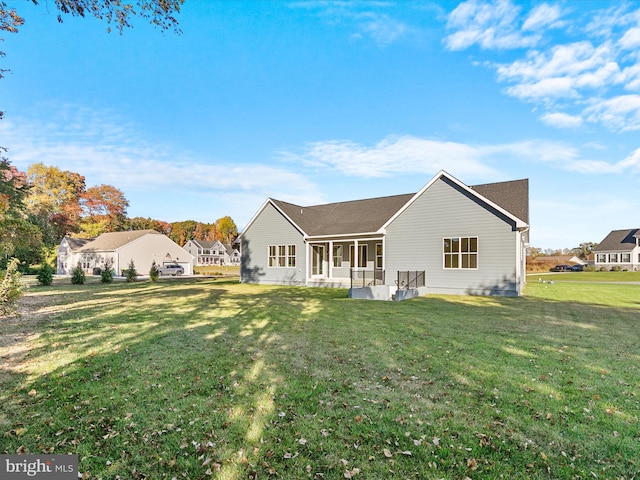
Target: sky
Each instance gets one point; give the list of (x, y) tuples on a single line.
[(321, 101)]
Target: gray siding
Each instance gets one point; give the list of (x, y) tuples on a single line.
[(414, 242), (271, 228)]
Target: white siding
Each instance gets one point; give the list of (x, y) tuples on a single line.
[(144, 250)]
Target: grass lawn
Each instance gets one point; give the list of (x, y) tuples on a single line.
[(204, 378), (590, 277)]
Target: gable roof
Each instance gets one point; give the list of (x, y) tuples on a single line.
[(203, 243), (343, 218), (371, 215), (77, 243), (619, 240), (513, 196), (113, 240)]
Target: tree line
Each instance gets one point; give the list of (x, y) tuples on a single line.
[(41, 206)]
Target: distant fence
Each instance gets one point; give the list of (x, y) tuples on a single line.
[(411, 279), (366, 278)]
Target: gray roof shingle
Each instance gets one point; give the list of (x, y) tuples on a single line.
[(112, 240), (513, 196), (619, 241), (369, 215), (342, 218)]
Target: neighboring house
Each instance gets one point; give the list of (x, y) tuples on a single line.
[(67, 254), (212, 252), (621, 248), (118, 249), (560, 259), (467, 240)]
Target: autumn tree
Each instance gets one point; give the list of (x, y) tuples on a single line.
[(53, 202), (226, 230), (18, 237), (141, 223), (584, 250), (182, 232), (160, 13), (104, 209)]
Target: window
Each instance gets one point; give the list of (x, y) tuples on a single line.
[(613, 258), (362, 255), (281, 256), (460, 252), (291, 257), (272, 256), (625, 257), (337, 256), (601, 258), (378, 255)]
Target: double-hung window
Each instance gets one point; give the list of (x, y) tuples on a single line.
[(460, 252), (282, 256), (337, 256), (273, 255), (291, 256)]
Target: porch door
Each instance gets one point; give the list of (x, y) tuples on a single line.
[(318, 253)]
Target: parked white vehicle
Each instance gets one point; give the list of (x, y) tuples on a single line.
[(170, 269)]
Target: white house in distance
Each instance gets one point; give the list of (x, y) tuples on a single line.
[(214, 252), (619, 249), (453, 238), (118, 249)]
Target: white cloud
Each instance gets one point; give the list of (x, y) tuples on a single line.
[(411, 155), (543, 15), (556, 73), (393, 156), (621, 113), (631, 39), (562, 120), (561, 72), (366, 18), (383, 29), (99, 146), (632, 162), (489, 25)]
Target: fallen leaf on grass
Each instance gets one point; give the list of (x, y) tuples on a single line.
[(387, 453), (351, 473)]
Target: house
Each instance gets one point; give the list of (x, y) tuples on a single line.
[(212, 252), (118, 249), (619, 249), (462, 239)]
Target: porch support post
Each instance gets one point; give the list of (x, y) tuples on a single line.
[(355, 255), (330, 266), (307, 261)]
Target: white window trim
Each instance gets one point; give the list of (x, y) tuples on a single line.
[(282, 256), (460, 253), (337, 257)]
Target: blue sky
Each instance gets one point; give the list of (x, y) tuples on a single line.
[(320, 101)]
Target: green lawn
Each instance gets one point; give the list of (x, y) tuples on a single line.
[(590, 277), (204, 378)]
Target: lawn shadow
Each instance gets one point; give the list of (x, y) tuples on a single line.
[(196, 376)]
